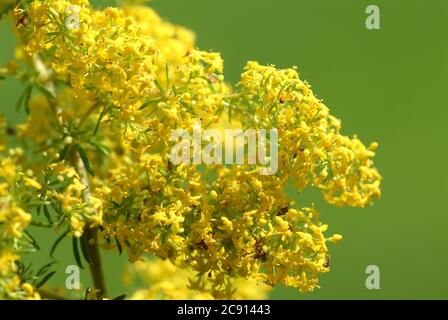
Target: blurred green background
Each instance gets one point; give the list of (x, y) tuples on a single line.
[(387, 85)]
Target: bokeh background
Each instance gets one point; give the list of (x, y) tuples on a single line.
[(388, 85)]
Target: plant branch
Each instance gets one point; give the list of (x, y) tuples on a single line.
[(91, 233), (95, 264), (51, 295)]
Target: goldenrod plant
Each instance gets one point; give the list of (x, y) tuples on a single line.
[(103, 91)]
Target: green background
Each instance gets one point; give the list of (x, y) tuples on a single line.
[(386, 85)]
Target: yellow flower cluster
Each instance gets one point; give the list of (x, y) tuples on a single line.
[(13, 222), (20, 195), (68, 195), (76, 211), (115, 62), (312, 149), (125, 80), (164, 281)]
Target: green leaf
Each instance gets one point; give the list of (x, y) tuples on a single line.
[(47, 214), (167, 74), (45, 279), (58, 240), (35, 204), (76, 252), (40, 224), (120, 297), (159, 85), (45, 268), (84, 250), (99, 147), (63, 153), (85, 159), (27, 99), (120, 249), (25, 272), (56, 207), (32, 240), (149, 102), (102, 114), (50, 95), (24, 99)]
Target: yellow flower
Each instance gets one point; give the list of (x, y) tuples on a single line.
[(335, 238), (32, 183)]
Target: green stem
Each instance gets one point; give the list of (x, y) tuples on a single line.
[(50, 295), (91, 234), (95, 264)]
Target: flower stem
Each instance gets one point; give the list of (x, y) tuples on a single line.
[(91, 234), (95, 264), (50, 295)]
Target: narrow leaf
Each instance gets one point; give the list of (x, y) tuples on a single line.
[(120, 249), (76, 252), (22, 97), (159, 85), (84, 250), (45, 268), (85, 159), (167, 73), (26, 102), (58, 240), (99, 147), (45, 279), (149, 102), (40, 224), (63, 153), (33, 241), (47, 215), (102, 114), (46, 92)]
